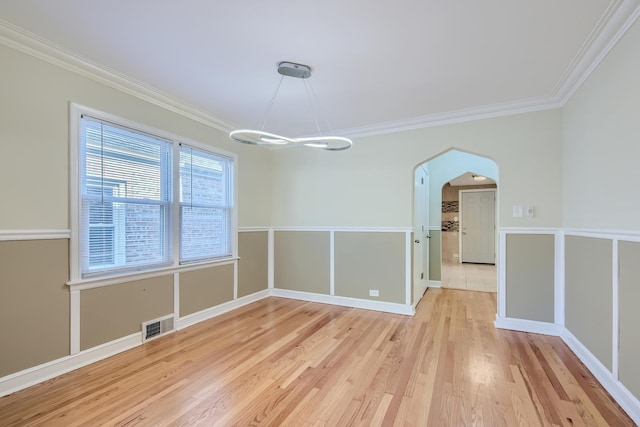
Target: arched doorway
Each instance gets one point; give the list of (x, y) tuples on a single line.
[(441, 170)]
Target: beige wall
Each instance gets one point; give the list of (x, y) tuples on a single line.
[(204, 288), (113, 312), (34, 130), (34, 91), (302, 261), (371, 185), (253, 269), (34, 303), (629, 295), (589, 151), (530, 276), (365, 261), (588, 294), (600, 143)]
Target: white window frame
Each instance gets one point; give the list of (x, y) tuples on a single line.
[(75, 113)]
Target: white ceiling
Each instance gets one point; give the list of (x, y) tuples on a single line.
[(377, 65)]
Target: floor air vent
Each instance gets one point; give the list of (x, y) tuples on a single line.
[(157, 327)]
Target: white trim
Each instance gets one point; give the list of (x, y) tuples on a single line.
[(85, 284), (628, 236), (271, 259), (37, 374), (332, 262), (74, 191), (176, 294), (435, 228), (76, 111), (407, 268), (618, 391), (615, 310), (558, 278), (531, 326), (614, 25), (435, 283), (253, 229), (33, 45), (348, 229), (235, 280), (629, 403), (48, 234), (502, 274), (74, 322), (458, 116), (387, 307), (217, 310), (619, 22), (529, 230)]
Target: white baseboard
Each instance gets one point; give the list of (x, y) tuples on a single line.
[(209, 313), (435, 284), (618, 391), (531, 326), (388, 307), (37, 374)]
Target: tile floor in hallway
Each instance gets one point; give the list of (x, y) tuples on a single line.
[(472, 277)]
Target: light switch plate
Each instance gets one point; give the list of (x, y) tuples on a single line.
[(517, 211)]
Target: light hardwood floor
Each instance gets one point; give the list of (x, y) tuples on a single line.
[(472, 277), (282, 362)]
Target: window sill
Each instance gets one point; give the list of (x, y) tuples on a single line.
[(98, 282)]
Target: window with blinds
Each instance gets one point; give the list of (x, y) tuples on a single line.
[(205, 205), (128, 220)]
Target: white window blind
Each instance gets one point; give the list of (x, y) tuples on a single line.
[(205, 205), (146, 199), (125, 198)]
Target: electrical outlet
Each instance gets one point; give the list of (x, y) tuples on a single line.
[(374, 293), (455, 255)]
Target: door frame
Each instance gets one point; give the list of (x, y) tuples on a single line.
[(495, 221), (421, 234)]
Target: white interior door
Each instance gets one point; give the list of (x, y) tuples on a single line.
[(420, 234), (478, 226)]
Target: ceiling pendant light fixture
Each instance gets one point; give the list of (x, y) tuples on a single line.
[(260, 137)]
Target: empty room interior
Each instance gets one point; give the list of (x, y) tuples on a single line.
[(319, 214)]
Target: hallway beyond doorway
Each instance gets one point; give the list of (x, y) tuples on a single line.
[(471, 277)]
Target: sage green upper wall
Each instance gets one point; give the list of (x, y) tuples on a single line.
[(371, 185), (601, 125), (34, 133)]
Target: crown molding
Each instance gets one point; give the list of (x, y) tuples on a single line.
[(618, 18), (33, 45), (613, 25), (452, 117)]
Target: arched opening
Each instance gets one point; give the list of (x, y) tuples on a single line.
[(452, 173)]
